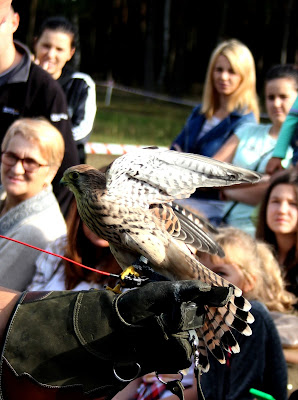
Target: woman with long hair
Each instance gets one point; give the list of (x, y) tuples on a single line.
[(80, 245), (229, 100), (277, 224)]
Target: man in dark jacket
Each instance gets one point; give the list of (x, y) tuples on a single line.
[(26, 90)]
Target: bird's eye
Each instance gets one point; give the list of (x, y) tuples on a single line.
[(75, 176)]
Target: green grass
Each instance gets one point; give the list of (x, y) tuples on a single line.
[(133, 119)]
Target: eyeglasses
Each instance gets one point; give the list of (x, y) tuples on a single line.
[(29, 164)]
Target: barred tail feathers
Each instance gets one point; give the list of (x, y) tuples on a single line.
[(204, 274), (216, 334)]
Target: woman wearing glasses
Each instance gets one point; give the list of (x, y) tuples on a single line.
[(31, 153)]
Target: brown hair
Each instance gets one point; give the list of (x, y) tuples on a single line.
[(80, 249), (263, 231), (259, 267)]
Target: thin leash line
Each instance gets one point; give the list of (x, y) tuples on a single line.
[(62, 257)]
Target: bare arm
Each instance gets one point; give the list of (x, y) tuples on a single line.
[(8, 300), (273, 165), (291, 355), (248, 194), (129, 391), (227, 151)]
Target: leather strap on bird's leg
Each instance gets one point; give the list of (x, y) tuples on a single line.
[(73, 345)]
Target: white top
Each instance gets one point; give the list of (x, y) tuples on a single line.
[(49, 273), (36, 221), (253, 152)]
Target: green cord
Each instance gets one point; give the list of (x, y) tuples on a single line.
[(261, 395)]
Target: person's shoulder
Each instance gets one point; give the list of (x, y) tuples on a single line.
[(195, 113), (58, 245), (240, 117), (261, 314), (70, 77), (258, 307), (42, 78), (197, 109), (83, 76), (252, 128)]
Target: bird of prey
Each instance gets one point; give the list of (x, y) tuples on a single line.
[(129, 206)]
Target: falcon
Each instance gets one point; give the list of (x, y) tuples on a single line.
[(129, 205)]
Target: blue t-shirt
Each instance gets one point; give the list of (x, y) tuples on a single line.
[(254, 150)]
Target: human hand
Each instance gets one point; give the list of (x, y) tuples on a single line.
[(273, 165)]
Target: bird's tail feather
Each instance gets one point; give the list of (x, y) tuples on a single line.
[(203, 354), (215, 335)]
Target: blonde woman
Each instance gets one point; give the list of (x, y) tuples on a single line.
[(229, 100), (32, 152)]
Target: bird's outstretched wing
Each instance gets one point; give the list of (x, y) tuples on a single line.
[(153, 175), (196, 230), (187, 227)]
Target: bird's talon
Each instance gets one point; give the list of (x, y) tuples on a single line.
[(116, 289), (129, 271)]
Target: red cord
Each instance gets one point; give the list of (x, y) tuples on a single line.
[(57, 255)]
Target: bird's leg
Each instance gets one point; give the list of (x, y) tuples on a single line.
[(142, 265), (140, 273), (131, 275)]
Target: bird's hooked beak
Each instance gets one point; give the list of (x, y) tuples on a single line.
[(63, 181)]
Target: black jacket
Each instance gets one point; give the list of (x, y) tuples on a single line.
[(29, 91), (80, 92)]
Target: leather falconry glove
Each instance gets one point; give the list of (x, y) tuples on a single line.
[(83, 345)]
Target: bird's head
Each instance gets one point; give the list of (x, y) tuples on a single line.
[(82, 178)]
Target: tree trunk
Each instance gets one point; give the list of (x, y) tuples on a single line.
[(166, 39), (31, 26), (286, 33), (149, 51)]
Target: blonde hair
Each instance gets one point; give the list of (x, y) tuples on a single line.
[(271, 287), (259, 266), (244, 98), (41, 132)]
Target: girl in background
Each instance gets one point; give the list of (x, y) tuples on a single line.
[(55, 45), (80, 245), (277, 224), (252, 145)]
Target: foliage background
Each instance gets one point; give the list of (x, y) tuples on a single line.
[(164, 45)]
